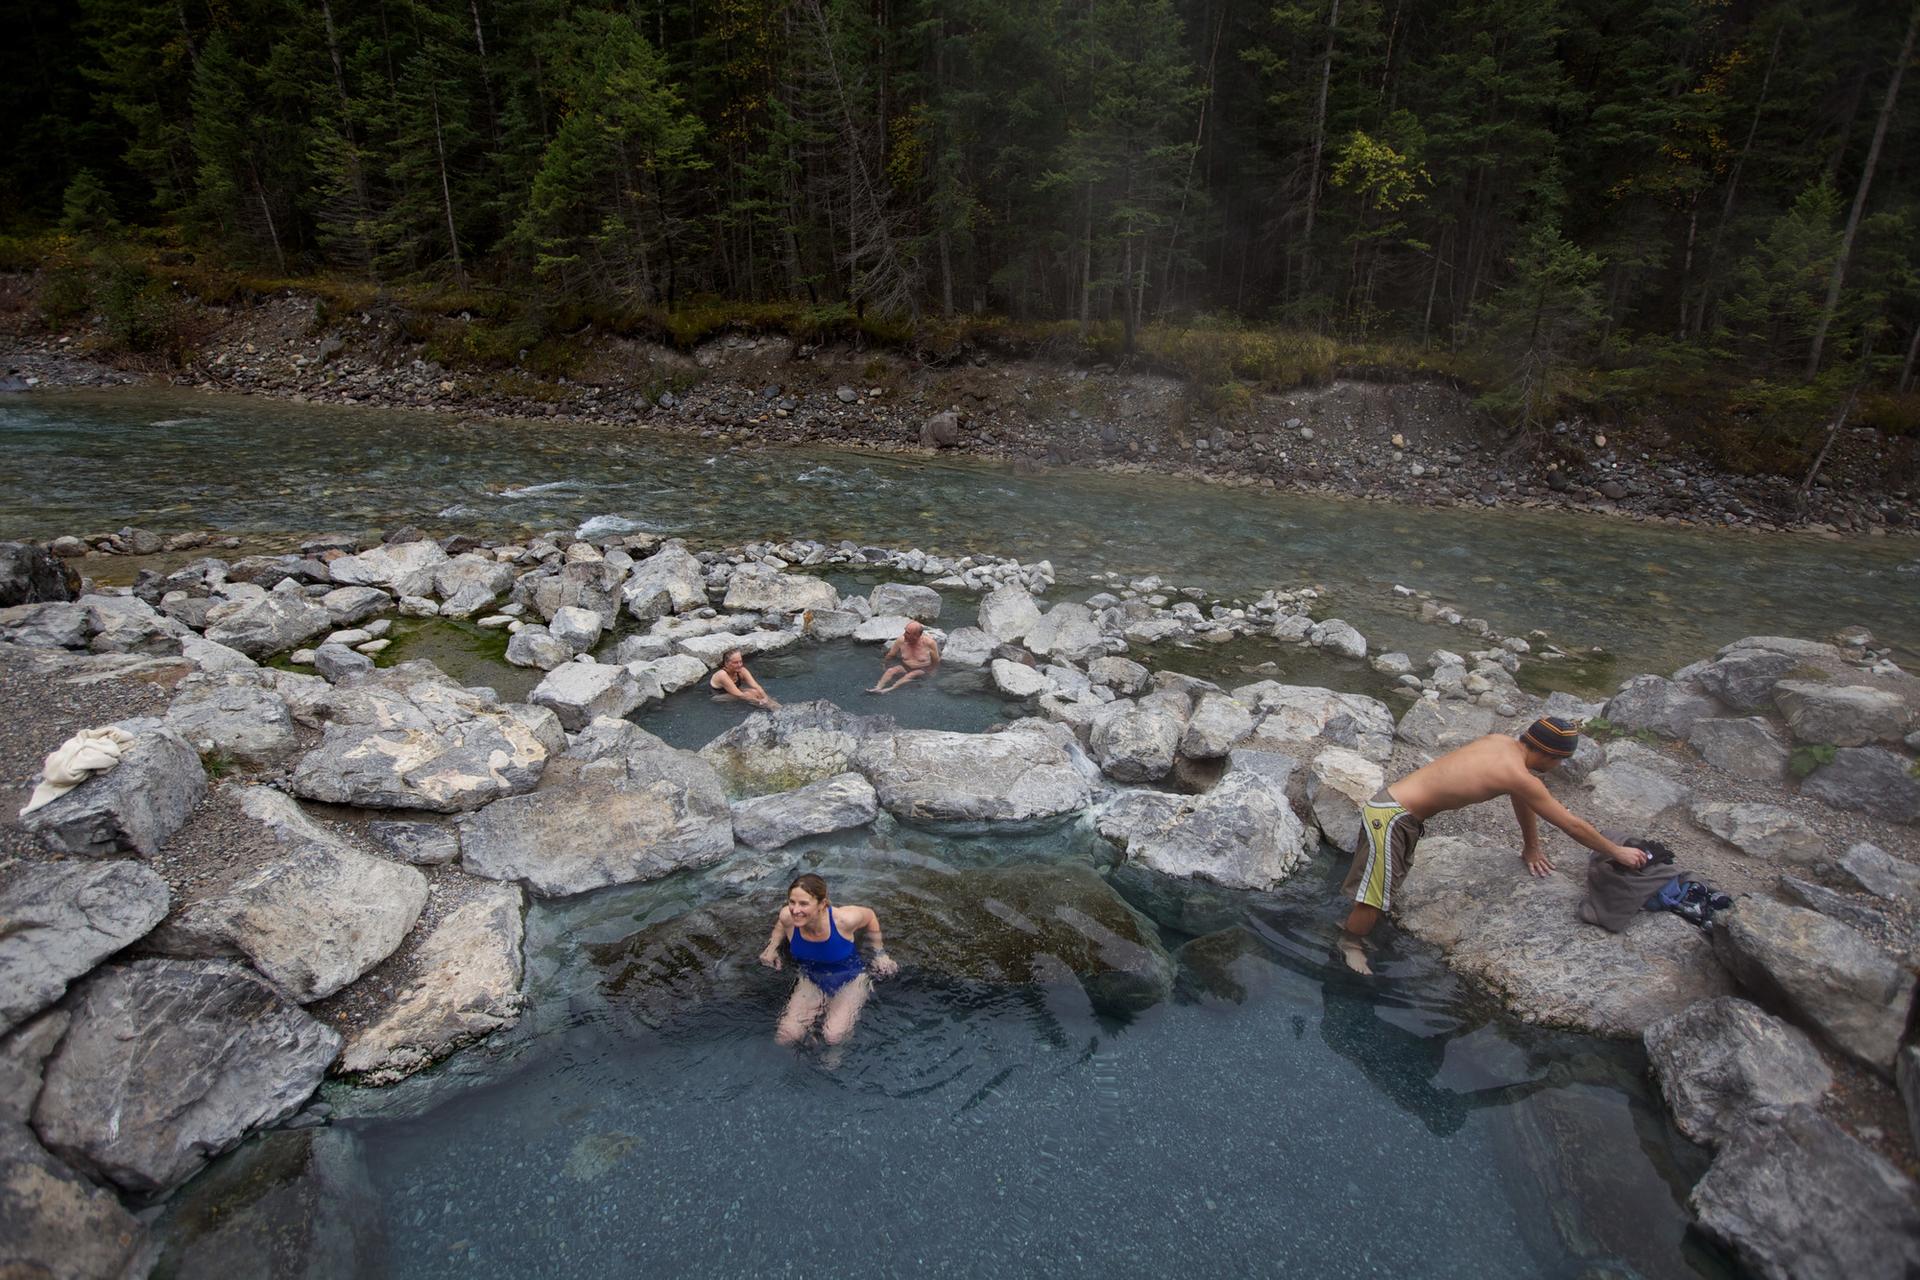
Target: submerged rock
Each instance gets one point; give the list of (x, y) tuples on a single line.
[(781, 750), (832, 804)]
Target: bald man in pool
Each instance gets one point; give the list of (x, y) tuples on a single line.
[(912, 656), (1392, 822)]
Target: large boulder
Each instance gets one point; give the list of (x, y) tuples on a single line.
[(759, 588), (536, 646), (668, 581), (1339, 781), (1241, 835), (59, 920), (1828, 976), (1217, 725), (468, 583), (579, 692), (1842, 715), (1872, 869), (1634, 794), (349, 605), (1017, 680), (1762, 831), (1718, 1061), (268, 623), (408, 738), (407, 568), (168, 1063), (48, 625), (128, 624), (1657, 704), (1870, 780), (1134, 743), (832, 804), (712, 648), (1028, 771), (967, 647), (238, 715), (1793, 1197), (1008, 613), (464, 984), (620, 806), (1435, 725), (1744, 679), (909, 600), (801, 743), (577, 628), (1122, 675), (673, 673), (29, 575), (311, 919), (1299, 720), (1523, 937), (134, 807), (1339, 636), (1068, 632), (593, 585), (1746, 748)]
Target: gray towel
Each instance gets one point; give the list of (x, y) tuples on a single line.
[(1617, 894)]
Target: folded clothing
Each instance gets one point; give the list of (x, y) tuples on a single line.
[(86, 753)]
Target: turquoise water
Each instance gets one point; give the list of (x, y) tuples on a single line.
[(1655, 597)]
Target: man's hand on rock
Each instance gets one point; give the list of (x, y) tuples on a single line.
[(1537, 862)]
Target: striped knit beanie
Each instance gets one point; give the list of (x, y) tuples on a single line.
[(1550, 735)]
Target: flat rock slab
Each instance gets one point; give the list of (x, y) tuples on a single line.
[(238, 715), (1719, 1061), (59, 920), (1870, 780), (170, 1062), (314, 918), (1523, 937), (400, 741), (1746, 748), (134, 807), (467, 986), (1795, 1198), (832, 804), (712, 649), (1842, 715), (1763, 831), (1635, 795), (1241, 835), (1024, 773), (619, 807), (577, 692), (1827, 975), (801, 743)]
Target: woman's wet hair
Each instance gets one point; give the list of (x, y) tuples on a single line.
[(811, 884), (731, 654)]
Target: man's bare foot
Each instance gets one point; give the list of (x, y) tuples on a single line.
[(1353, 950), (875, 689)]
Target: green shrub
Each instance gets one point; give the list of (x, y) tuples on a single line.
[(1806, 759), (65, 294)]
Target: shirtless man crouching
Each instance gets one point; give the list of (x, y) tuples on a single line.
[(1392, 822), (733, 680), (913, 655)]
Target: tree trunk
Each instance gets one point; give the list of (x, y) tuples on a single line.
[(266, 211), (486, 81), (1686, 262), (1906, 366), (355, 174), (1193, 157), (446, 189), (1319, 144), (1860, 195), (1086, 263), (1733, 186)]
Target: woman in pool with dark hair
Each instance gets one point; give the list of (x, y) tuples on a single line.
[(833, 980)]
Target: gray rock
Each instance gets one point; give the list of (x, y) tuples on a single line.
[(1027, 772), (1744, 678), (1842, 715), (668, 581), (712, 648), (759, 589), (1762, 831), (801, 743), (348, 605), (1813, 650), (905, 599), (1339, 781), (1434, 725), (1067, 632), (619, 807), (1339, 636), (1659, 705), (59, 920), (592, 584), (537, 647), (1746, 748), (968, 648), (1907, 1077), (52, 625), (647, 648), (672, 673), (341, 665), (424, 844), (1588, 756), (1793, 1197), (1241, 835), (1873, 869), (1522, 937), (293, 1203), (30, 575), (1870, 780), (271, 623), (578, 692), (832, 804), (311, 920), (215, 659), (1217, 725), (835, 624), (1569, 707), (468, 583), (1828, 976), (170, 1062), (235, 715), (1122, 675), (398, 566), (1017, 679), (1134, 743), (1718, 1061), (940, 431), (1301, 719), (578, 629), (466, 985), (127, 624), (1635, 795), (134, 807), (1008, 613), (60, 1224), (1867, 918), (408, 738), (1392, 664)]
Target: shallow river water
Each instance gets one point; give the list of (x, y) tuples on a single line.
[(1271, 1116)]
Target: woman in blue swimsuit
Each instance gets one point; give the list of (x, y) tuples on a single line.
[(833, 980)]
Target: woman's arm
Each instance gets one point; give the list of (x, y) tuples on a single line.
[(883, 964), (781, 928)]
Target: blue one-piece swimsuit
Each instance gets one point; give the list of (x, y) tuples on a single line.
[(829, 964)]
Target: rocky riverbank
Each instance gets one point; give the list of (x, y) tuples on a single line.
[(329, 870), (1406, 442)]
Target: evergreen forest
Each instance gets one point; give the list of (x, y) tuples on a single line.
[(1554, 201)]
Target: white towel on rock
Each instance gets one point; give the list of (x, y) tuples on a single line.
[(86, 753)]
